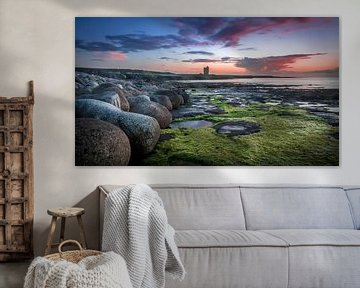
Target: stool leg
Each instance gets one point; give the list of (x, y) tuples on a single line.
[(51, 235), (82, 232), (62, 231)]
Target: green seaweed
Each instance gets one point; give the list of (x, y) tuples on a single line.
[(289, 136)]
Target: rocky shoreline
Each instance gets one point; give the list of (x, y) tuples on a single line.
[(121, 108), (127, 119)]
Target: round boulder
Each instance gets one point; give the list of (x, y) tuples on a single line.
[(99, 143), (92, 84), (80, 90), (163, 100), (110, 87), (175, 98), (110, 97), (150, 108), (143, 131), (184, 94), (140, 99)]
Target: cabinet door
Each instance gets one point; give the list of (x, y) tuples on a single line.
[(16, 199)]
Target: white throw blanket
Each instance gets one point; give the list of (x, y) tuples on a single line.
[(136, 227), (103, 271)]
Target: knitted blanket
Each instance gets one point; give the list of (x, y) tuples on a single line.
[(103, 271), (136, 227)]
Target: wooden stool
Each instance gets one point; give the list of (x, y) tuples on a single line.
[(64, 213)]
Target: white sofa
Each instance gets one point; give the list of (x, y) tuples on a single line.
[(263, 236)]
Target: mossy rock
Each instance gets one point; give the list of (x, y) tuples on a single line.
[(299, 139)]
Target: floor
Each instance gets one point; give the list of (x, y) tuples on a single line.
[(12, 274)]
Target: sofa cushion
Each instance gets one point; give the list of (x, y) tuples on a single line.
[(191, 207), (324, 266), (224, 267), (296, 208), (226, 238), (203, 208), (315, 237), (322, 258)]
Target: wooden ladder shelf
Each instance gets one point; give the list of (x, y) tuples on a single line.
[(16, 177)]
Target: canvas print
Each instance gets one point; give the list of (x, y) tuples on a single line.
[(207, 91)]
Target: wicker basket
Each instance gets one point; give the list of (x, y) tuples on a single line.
[(72, 256)]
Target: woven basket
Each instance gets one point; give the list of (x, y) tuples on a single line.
[(72, 256)]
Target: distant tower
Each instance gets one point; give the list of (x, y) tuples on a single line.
[(206, 71)]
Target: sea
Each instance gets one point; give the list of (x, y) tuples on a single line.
[(295, 83)]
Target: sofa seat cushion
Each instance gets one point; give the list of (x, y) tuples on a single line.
[(233, 267), (317, 237), (225, 238), (323, 258)]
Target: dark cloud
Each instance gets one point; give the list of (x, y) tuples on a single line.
[(138, 42), (200, 52), (166, 58), (229, 30), (262, 65), (247, 49), (198, 31), (229, 59), (272, 63), (95, 46), (144, 42), (200, 26), (221, 60), (201, 60), (237, 28)]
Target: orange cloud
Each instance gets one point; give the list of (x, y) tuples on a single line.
[(115, 56)]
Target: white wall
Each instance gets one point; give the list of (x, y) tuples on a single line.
[(37, 42)]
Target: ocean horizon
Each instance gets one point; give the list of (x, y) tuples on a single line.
[(294, 83)]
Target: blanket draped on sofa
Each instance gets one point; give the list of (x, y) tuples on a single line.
[(136, 227)]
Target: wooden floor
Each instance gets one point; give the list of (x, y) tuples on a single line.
[(12, 274)]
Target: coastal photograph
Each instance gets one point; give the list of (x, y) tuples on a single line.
[(207, 91)]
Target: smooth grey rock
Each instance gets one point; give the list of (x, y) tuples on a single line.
[(106, 87), (80, 91), (143, 131), (330, 118), (99, 143), (166, 137), (185, 95), (175, 98), (140, 99), (92, 84), (139, 104), (163, 100), (79, 80), (191, 124), (236, 128), (109, 87), (110, 97)]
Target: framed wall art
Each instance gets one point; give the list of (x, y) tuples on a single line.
[(207, 91)]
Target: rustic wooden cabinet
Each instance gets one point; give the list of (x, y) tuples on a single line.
[(16, 177)]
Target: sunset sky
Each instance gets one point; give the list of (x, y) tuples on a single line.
[(251, 45)]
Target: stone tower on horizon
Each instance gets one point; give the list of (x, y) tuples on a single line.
[(206, 71)]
